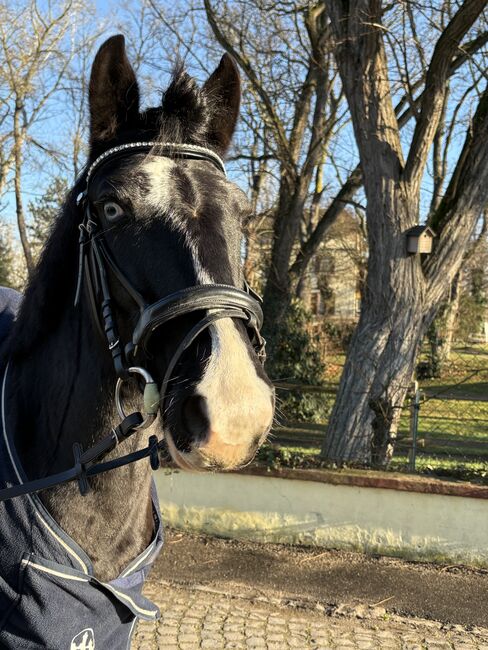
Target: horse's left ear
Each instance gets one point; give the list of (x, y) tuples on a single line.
[(114, 93), (223, 87)]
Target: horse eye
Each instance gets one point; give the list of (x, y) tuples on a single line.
[(112, 211)]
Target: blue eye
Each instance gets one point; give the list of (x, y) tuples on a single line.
[(112, 211)]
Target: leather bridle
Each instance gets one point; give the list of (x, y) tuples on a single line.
[(216, 301)]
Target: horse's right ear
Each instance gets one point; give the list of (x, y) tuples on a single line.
[(113, 94)]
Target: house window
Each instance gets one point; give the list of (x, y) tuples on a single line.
[(328, 266), (330, 305), (315, 303)]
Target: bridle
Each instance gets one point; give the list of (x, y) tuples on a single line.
[(96, 262)]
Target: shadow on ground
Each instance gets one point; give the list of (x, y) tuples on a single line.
[(449, 594)]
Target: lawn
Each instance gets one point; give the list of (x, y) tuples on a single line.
[(452, 437)]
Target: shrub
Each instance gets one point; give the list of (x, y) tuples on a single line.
[(294, 357), (339, 334)]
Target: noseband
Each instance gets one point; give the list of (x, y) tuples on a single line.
[(217, 301)]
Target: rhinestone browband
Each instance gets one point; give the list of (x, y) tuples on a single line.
[(169, 147)]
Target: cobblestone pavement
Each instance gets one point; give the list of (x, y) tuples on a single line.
[(194, 618)]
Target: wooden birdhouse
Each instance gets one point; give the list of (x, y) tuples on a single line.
[(419, 240)]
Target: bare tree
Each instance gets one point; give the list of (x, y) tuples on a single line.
[(402, 292), (284, 52), (37, 47)]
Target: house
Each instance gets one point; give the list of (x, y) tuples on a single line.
[(332, 286)]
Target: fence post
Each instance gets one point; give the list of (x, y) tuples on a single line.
[(414, 425)]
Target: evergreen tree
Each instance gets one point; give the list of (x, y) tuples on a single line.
[(6, 257), (43, 212)]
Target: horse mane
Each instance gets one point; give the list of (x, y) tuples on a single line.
[(52, 284), (185, 114)]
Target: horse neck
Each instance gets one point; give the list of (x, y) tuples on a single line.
[(63, 393)]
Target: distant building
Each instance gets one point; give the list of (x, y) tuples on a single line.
[(332, 286)]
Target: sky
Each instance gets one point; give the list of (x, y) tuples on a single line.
[(54, 130)]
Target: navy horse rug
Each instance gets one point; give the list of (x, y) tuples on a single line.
[(49, 597)]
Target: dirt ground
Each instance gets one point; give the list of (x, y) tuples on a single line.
[(330, 581)]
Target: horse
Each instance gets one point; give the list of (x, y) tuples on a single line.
[(140, 283)]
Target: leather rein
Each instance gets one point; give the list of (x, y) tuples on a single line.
[(217, 301)]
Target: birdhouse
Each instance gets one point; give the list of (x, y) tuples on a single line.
[(419, 240)]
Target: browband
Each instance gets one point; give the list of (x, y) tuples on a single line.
[(169, 149)]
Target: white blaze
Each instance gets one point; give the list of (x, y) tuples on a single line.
[(239, 402)]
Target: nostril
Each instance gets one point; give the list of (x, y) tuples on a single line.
[(195, 417)]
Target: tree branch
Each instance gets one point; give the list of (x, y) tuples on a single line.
[(465, 198), (310, 247), (253, 79), (355, 180), (435, 88)]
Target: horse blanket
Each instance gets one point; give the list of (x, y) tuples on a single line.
[(49, 596)]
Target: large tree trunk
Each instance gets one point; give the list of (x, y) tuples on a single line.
[(378, 371), (381, 357), (402, 292)]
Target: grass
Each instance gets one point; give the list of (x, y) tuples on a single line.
[(452, 432), (277, 456)]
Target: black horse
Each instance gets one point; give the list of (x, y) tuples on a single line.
[(169, 222)]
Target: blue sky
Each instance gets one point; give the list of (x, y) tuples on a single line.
[(54, 128)]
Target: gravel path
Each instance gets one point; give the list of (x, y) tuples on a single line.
[(194, 618), (221, 594)]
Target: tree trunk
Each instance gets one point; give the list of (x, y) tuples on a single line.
[(401, 295), (450, 325), (375, 379), (380, 362), (19, 207), (444, 332), (278, 291)]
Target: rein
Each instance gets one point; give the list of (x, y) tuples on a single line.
[(95, 261)]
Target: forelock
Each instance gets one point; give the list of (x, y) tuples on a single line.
[(187, 111)]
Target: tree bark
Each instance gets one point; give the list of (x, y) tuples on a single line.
[(450, 324), (372, 389), (19, 208), (381, 357), (278, 289), (442, 345), (402, 293)]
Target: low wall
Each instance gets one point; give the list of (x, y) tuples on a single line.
[(341, 511)]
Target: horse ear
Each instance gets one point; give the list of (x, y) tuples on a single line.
[(113, 93), (223, 87)]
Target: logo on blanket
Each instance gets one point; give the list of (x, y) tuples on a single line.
[(85, 640)]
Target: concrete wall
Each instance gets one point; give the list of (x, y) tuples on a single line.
[(431, 527)]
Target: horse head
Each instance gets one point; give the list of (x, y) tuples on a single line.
[(172, 223)]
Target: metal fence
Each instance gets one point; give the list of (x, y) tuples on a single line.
[(443, 429), (449, 423)]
